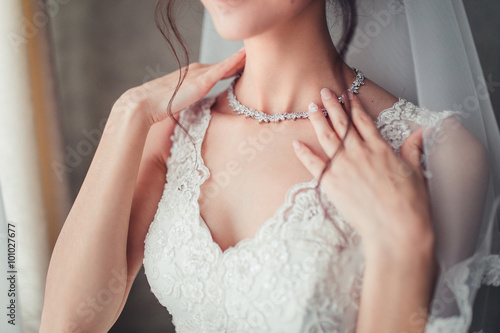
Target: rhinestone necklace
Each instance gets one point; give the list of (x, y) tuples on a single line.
[(264, 117)]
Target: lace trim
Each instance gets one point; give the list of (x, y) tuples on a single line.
[(491, 275)]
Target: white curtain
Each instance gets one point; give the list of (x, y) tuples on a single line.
[(34, 201)]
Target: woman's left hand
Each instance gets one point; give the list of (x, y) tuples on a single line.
[(384, 197)]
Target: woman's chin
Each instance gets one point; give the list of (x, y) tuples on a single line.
[(237, 31), (231, 34)]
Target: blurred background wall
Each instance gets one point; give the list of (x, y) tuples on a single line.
[(102, 48)]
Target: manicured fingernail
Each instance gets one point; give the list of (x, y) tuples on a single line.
[(326, 93), (313, 107), (350, 95), (242, 48), (295, 144)]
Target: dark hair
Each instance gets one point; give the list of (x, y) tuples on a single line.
[(165, 21)]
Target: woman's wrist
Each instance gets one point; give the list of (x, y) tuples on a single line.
[(410, 243), (131, 108), (397, 286)]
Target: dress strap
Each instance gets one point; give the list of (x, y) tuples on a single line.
[(185, 157)]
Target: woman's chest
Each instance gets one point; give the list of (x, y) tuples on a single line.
[(252, 167)]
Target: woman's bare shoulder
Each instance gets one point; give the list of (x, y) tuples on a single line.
[(375, 99)]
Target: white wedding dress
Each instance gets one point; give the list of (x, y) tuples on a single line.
[(301, 272)]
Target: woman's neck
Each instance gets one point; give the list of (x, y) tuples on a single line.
[(287, 67)]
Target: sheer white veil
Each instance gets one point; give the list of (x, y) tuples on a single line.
[(423, 51)]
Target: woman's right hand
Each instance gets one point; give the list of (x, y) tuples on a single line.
[(152, 98)]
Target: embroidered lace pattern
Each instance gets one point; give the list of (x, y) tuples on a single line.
[(301, 272)]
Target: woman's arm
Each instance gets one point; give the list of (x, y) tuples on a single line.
[(385, 199), (88, 268), (397, 286), (397, 290), (100, 247)]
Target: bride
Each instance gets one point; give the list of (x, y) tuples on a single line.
[(225, 210)]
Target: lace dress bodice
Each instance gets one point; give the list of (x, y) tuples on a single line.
[(301, 272)]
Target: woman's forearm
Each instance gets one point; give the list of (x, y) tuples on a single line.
[(397, 287), (88, 267)]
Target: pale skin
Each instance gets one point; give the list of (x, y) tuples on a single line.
[(105, 230)]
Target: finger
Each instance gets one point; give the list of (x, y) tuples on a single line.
[(362, 121), (412, 149), (238, 68), (339, 119), (327, 137), (229, 66), (336, 113), (313, 163)]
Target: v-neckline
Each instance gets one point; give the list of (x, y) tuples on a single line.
[(207, 108)]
